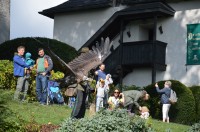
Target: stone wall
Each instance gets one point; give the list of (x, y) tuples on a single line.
[(4, 20)]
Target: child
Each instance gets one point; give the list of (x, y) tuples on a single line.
[(108, 81), (144, 112), (100, 94), (30, 62)]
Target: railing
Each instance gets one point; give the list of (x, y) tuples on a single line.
[(113, 60), (141, 53)]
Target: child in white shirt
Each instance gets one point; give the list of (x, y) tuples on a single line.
[(100, 94)]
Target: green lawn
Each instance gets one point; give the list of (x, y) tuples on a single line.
[(55, 114), (42, 114), (159, 126)]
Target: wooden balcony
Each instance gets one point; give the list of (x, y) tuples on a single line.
[(138, 54)]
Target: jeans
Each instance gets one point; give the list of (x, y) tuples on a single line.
[(41, 88), (99, 103), (21, 88)]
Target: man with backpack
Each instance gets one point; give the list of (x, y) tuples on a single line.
[(44, 65)]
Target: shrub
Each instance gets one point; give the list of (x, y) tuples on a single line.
[(182, 112), (64, 51), (196, 93), (194, 128), (104, 120), (133, 87), (9, 121), (7, 80), (92, 95)]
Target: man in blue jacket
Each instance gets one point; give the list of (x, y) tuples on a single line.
[(19, 72)]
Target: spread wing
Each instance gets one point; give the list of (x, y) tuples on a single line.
[(62, 65), (91, 59), (81, 65)]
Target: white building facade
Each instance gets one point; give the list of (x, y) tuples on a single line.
[(77, 27)]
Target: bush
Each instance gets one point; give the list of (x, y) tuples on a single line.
[(182, 112), (64, 51), (7, 80), (133, 87), (9, 121), (194, 128), (196, 93), (104, 120)]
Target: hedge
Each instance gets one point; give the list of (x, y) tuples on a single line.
[(196, 94), (182, 112), (9, 48), (64, 51)]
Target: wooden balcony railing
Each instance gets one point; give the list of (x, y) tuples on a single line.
[(138, 54)]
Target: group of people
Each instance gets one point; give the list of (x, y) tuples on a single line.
[(43, 66), (128, 99), (22, 69)]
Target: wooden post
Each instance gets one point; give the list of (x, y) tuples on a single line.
[(121, 52), (154, 50)]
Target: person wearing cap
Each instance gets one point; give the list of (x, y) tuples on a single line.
[(130, 99), (30, 62)]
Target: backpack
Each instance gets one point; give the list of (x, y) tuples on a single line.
[(56, 96), (173, 98), (54, 93), (71, 90)]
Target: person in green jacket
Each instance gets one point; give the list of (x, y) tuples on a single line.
[(130, 99)]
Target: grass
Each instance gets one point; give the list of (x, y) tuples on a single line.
[(55, 114), (160, 126), (42, 114)]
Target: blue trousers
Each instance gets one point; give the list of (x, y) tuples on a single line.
[(41, 88)]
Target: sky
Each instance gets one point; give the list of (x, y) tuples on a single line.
[(25, 21)]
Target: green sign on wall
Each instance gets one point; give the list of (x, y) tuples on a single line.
[(193, 44)]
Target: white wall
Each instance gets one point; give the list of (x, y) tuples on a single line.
[(76, 28), (175, 34)]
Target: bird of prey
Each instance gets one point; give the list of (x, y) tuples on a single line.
[(80, 66)]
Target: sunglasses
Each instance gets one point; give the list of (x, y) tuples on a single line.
[(116, 92)]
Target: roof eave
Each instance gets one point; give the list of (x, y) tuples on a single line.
[(162, 11)]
